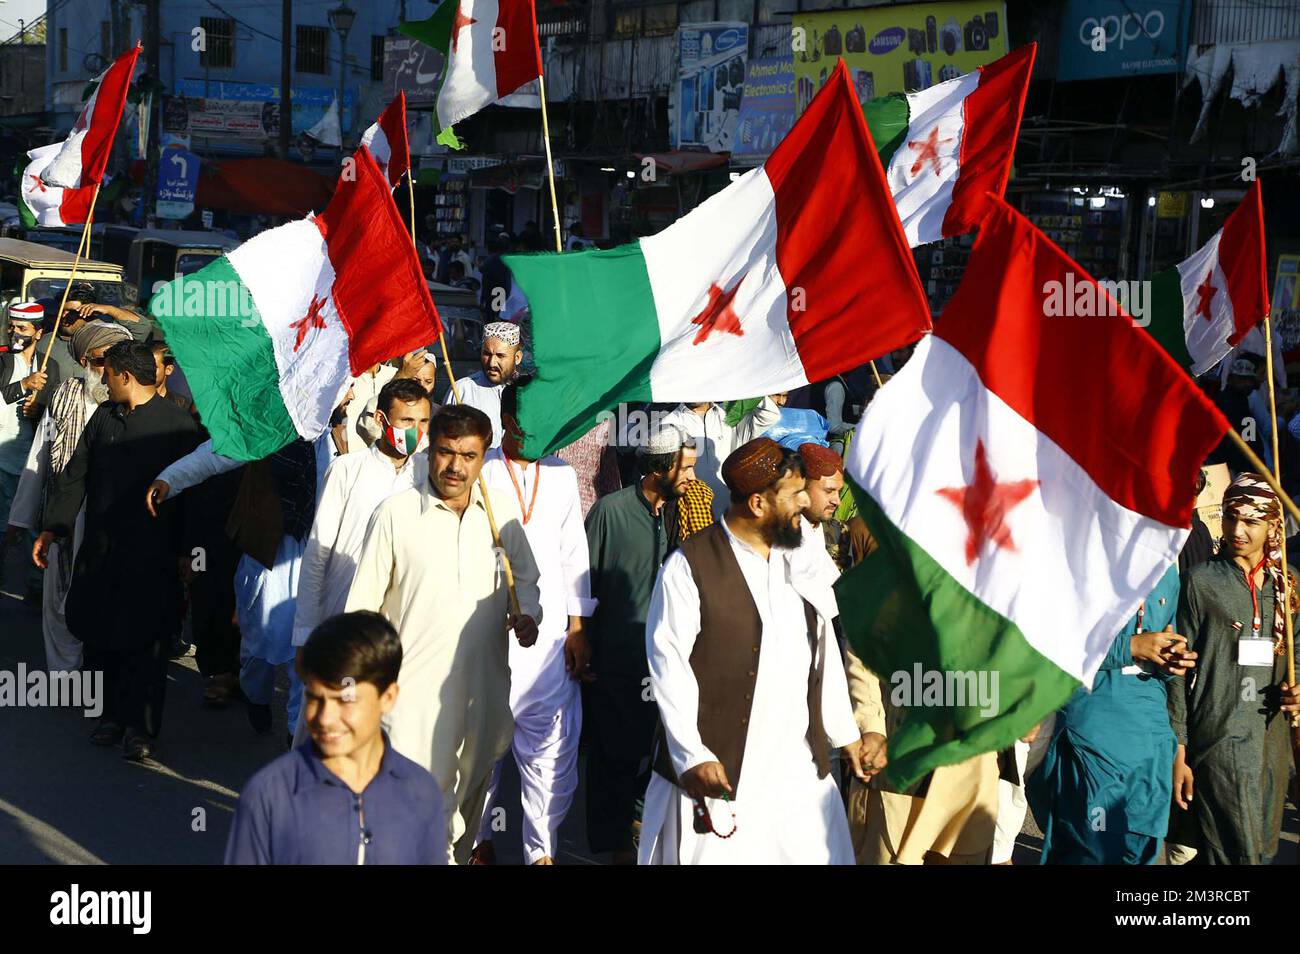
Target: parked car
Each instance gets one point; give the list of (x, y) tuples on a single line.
[(29, 271), (161, 255)]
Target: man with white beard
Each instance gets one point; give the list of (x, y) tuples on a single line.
[(71, 405), (745, 670), (544, 695)]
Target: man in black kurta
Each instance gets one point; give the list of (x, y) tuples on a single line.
[(124, 601), (629, 535)]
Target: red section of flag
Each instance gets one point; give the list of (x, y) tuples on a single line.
[(519, 60), (1147, 426), (990, 124), (1244, 261), (379, 290), (984, 504), (74, 206), (852, 288), (110, 99), (393, 122)]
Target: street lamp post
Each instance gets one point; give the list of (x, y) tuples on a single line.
[(341, 19)]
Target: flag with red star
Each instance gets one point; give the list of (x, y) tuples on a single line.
[(271, 334), (1203, 307), (489, 50), (59, 183), (387, 141), (946, 147), (794, 273), (1028, 480)]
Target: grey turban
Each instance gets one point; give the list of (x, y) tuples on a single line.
[(96, 334)]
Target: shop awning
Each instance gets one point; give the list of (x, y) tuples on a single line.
[(262, 186), (678, 161)]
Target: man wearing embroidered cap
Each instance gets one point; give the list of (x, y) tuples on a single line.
[(24, 391), (499, 358), (746, 672)]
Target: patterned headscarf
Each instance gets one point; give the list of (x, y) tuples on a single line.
[(1249, 497)]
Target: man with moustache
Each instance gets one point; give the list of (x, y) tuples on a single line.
[(71, 405), (429, 565), (746, 673), (499, 359)]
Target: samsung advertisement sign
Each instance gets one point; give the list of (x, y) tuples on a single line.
[(1107, 38)]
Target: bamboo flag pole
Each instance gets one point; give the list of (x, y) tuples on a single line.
[(550, 165), (84, 244), (1277, 474), (455, 393)]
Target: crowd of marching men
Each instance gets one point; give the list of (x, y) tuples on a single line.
[(439, 603)]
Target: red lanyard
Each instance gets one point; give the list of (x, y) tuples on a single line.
[(1254, 600), (519, 494)]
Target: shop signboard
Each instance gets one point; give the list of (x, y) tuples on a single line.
[(896, 49), (710, 85), (767, 108), (1106, 38)]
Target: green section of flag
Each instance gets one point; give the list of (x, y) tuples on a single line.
[(595, 338), (900, 609), (736, 410), (888, 118), (436, 32), (1166, 309), (221, 344)]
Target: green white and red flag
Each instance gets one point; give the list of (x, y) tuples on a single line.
[(58, 184), (1028, 479)]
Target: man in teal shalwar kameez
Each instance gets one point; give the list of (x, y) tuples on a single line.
[(1103, 791)]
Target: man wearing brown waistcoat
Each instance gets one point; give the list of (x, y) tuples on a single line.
[(747, 673)]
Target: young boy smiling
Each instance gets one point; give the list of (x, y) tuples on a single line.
[(345, 797)]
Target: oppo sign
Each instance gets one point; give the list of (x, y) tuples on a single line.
[(1123, 29)]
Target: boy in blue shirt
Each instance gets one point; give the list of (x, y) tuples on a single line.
[(345, 797)]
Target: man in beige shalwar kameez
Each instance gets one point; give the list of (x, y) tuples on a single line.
[(429, 566), (951, 823)]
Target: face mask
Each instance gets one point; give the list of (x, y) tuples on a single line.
[(19, 342), (407, 440)]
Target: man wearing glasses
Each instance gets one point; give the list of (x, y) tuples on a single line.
[(71, 404)]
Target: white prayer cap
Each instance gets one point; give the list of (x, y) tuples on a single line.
[(666, 439), (1243, 367), (504, 331), (27, 311)]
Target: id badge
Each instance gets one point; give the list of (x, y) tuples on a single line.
[(1255, 652)]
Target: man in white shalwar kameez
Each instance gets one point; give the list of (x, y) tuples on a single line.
[(355, 485), (70, 407), (498, 359), (430, 567), (786, 807), (544, 693)]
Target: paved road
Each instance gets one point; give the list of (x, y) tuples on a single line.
[(66, 801)]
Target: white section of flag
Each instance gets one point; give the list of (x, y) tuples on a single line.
[(732, 234), (922, 192), (375, 140), (471, 80), (1082, 562), (1207, 339), (45, 201), (65, 169), (283, 268)]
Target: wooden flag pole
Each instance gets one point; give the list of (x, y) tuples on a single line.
[(1286, 567), (550, 165), (1277, 474), (455, 393), (84, 244)]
